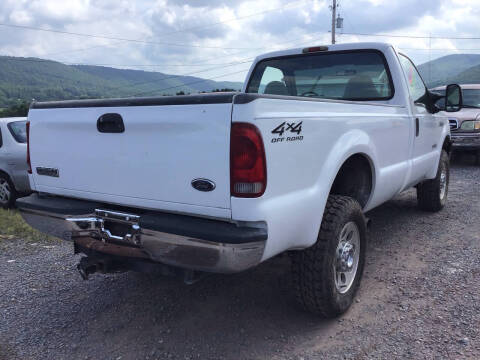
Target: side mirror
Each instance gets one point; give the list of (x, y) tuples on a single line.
[(453, 98)]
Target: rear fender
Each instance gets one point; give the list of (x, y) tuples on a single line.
[(294, 218), (355, 142), (349, 144)]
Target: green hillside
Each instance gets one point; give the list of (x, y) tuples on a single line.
[(447, 69), (469, 76), (32, 78)]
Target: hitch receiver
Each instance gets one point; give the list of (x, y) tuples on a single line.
[(87, 266)]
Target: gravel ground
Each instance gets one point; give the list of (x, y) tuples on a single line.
[(419, 299)]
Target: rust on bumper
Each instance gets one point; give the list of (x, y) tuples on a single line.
[(110, 249)]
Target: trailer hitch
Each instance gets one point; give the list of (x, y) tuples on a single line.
[(88, 266), (98, 224)]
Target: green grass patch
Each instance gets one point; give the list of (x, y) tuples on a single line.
[(12, 226)]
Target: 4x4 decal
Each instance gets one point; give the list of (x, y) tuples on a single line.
[(287, 127)]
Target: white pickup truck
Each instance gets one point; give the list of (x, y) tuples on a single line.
[(223, 182)]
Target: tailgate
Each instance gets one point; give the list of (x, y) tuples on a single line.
[(151, 164)]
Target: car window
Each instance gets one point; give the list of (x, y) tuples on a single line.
[(18, 129), (471, 97), (272, 77), (415, 83), (350, 75)]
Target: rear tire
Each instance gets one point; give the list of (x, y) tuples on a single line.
[(8, 194), (432, 194), (323, 281)]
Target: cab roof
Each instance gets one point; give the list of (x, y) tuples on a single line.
[(336, 47)]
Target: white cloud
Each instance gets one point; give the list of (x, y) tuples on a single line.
[(72, 10), (20, 17), (292, 24)]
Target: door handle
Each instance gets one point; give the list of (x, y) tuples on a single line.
[(417, 126), (110, 123)]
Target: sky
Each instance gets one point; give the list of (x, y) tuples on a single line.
[(218, 39)]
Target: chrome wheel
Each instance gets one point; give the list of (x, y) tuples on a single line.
[(5, 192), (443, 183), (347, 257)]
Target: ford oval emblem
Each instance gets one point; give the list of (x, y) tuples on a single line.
[(203, 185)]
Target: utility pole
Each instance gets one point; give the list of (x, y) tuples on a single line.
[(333, 7), (430, 58)]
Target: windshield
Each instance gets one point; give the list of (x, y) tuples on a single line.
[(471, 98), (353, 75), (18, 130)]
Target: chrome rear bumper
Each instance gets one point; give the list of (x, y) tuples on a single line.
[(242, 249)]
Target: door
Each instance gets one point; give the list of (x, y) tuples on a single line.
[(426, 126)]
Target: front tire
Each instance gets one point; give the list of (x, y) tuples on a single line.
[(432, 194), (327, 275), (8, 194)]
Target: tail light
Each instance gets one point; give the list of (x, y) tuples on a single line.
[(248, 169), (314, 49), (28, 148)]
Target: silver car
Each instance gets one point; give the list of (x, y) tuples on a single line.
[(13, 160)]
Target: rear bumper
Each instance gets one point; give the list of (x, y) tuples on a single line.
[(177, 240)]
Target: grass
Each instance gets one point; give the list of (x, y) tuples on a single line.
[(12, 226)]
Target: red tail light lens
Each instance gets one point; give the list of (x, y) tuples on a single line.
[(315, 49), (28, 148), (248, 169)]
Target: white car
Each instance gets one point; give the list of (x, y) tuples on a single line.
[(13, 160), (223, 182)]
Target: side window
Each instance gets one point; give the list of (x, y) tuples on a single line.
[(18, 129), (272, 82), (416, 85)]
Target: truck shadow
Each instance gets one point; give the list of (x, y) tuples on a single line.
[(461, 159), (253, 313)]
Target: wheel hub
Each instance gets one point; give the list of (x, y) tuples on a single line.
[(345, 257)]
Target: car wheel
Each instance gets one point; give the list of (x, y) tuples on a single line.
[(432, 194), (327, 275), (7, 192)]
